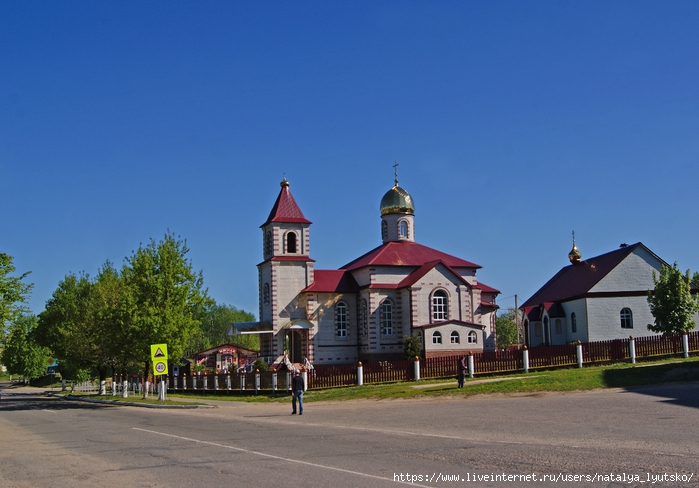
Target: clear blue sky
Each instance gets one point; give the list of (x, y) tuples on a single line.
[(513, 122)]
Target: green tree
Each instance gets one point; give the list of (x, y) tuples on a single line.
[(412, 346), (22, 355), (671, 302), (163, 295), (506, 328), (215, 319), (13, 293)]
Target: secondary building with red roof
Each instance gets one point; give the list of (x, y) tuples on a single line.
[(362, 311), (596, 299)]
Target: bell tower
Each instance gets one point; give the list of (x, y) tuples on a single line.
[(286, 269)]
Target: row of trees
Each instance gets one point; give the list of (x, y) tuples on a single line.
[(108, 322)]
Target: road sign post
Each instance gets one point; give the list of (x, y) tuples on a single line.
[(158, 354)]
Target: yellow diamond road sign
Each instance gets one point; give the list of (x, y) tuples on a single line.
[(158, 353)]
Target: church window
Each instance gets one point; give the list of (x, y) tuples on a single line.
[(455, 339), (440, 306), (626, 318), (472, 337), (558, 326), (436, 337), (291, 243), (363, 322), (384, 230), (403, 229), (265, 293), (537, 329), (268, 243), (573, 323), (387, 318), (341, 319)]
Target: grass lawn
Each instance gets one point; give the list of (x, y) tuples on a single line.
[(611, 376), (151, 400)]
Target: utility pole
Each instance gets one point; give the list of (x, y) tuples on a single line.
[(517, 318)]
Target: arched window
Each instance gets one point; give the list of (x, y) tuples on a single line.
[(363, 322), (472, 337), (291, 243), (455, 339), (387, 318), (341, 319), (268, 243), (436, 337), (558, 326), (573, 323), (384, 230), (403, 229), (626, 318), (440, 306), (265, 293)]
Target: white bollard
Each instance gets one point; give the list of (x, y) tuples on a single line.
[(125, 388), (685, 344), (206, 381), (416, 368), (242, 381), (215, 382), (360, 374), (288, 381), (525, 359), (304, 375), (257, 381), (470, 365), (632, 349), (274, 382), (228, 382), (580, 354), (103, 387)]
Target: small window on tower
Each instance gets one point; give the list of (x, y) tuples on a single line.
[(403, 229), (291, 243)]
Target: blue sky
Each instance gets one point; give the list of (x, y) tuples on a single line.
[(513, 122)]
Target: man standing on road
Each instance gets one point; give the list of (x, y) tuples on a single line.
[(297, 386), (462, 370)]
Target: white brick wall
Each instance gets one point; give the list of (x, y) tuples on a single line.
[(635, 273)]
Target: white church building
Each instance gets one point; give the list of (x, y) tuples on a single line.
[(596, 299), (362, 311)]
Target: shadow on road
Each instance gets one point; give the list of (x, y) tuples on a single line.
[(19, 401)]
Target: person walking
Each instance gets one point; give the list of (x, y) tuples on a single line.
[(297, 386), (461, 365)]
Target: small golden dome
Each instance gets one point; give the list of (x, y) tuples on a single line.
[(397, 200), (574, 255), (284, 183)]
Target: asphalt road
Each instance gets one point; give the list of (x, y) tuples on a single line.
[(644, 433)]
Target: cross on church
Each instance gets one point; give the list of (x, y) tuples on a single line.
[(395, 172)]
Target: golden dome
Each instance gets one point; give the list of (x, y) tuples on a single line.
[(574, 255), (397, 200)]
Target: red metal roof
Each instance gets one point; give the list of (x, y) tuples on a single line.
[(406, 253), (286, 210), (486, 289), (332, 281), (575, 280)]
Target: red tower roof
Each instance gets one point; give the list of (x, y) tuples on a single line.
[(285, 208)]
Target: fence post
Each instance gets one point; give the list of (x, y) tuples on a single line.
[(63, 383), (215, 382), (685, 344), (206, 381), (242, 381), (632, 349), (525, 359), (228, 381), (470, 364), (274, 381), (580, 354), (416, 367), (257, 381), (304, 375), (184, 381), (288, 381), (360, 374), (174, 382), (195, 375), (125, 387), (114, 385)]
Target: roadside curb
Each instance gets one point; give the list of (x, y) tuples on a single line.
[(129, 404)]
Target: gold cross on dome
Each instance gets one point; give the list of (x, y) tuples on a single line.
[(395, 172)]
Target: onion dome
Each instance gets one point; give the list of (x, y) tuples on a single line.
[(574, 255), (397, 200)]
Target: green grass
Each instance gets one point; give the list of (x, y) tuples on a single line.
[(611, 376), (151, 400)]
